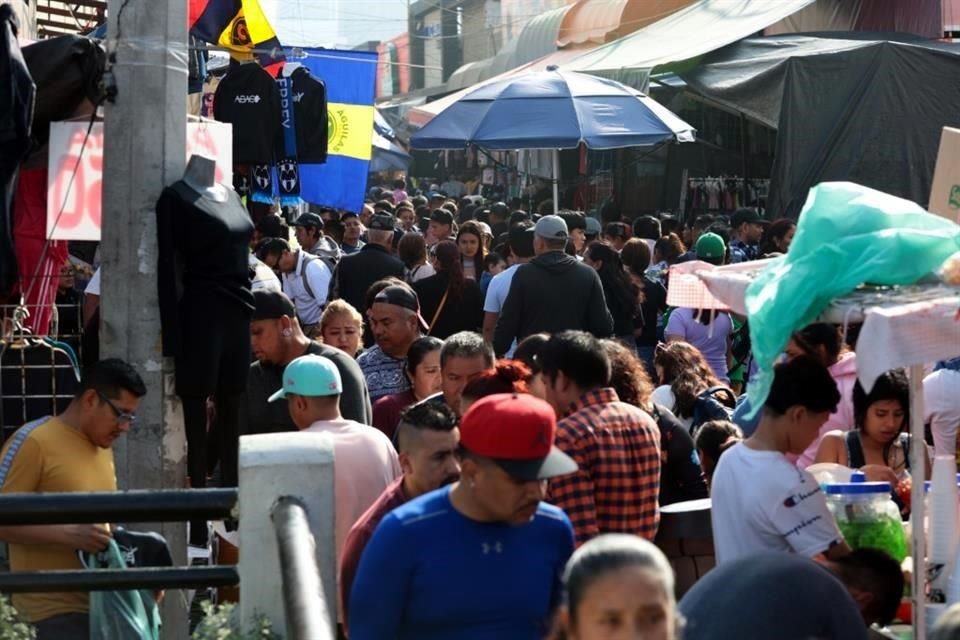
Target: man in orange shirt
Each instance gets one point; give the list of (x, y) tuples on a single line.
[(71, 452)]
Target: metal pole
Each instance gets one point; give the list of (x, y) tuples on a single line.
[(145, 129), (118, 579), (307, 614), (126, 506), (918, 457), (556, 180)]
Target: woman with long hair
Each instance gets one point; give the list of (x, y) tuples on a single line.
[(412, 251), (707, 330), (449, 302), (423, 371), (680, 475), (472, 249), (653, 299), (879, 444), (778, 237), (667, 252), (621, 293), (683, 374)]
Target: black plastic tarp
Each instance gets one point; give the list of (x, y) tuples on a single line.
[(845, 107)]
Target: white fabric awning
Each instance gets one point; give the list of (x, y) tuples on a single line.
[(704, 26)]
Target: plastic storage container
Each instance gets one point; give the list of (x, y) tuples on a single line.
[(867, 515)]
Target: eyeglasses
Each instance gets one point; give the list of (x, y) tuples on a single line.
[(122, 416)]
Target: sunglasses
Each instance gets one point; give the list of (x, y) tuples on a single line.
[(122, 416)]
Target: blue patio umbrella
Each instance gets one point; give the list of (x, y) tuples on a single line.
[(553, 109)]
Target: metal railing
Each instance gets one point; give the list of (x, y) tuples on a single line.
[(302, 588), (307, 613), (169, 505)]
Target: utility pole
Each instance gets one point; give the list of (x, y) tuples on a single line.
[(144, 150)]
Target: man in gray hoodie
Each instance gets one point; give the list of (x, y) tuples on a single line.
[(554, 292)]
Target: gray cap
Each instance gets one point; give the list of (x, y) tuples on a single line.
[(551, 228), (593, 227)]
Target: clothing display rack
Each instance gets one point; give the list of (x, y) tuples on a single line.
[(726, 193), (38, 376)]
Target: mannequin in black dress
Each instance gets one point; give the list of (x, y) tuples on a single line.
[(203, 234)]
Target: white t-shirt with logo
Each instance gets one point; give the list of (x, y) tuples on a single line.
[(763, 502)]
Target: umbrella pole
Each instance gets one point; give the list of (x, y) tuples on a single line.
[(918, 461), (556, 180)]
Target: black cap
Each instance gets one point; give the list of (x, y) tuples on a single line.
[(442, 216), (382, 222), (402, 296), (272, 305), (743, 216), (309, 220)]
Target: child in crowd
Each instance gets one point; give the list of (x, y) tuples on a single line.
[(493, 264)]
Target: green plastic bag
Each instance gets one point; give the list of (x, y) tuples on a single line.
[(847, 235), (120, 615)]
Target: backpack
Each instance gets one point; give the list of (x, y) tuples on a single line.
[(330, 253), (308, 258), (716, 403)]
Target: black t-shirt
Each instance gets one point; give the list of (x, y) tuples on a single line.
[(654, 302), (248, 98), (310, 117), (681, 477)]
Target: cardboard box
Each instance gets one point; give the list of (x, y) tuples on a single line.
[(945, 191)]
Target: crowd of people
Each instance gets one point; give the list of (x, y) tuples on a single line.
[(510, 402)]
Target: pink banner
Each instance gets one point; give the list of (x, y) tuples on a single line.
[(74, 205)]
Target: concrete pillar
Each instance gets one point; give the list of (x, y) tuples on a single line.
[(271, 466), (145, 129)]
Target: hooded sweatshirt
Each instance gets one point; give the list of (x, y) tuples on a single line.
[(553, 292), (844, 373)]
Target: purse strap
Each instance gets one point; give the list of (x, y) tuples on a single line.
[(443, 302)]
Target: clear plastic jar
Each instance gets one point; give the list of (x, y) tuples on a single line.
[(867, 516)]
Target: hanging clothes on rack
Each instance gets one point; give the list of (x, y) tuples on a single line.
[(37, 379)]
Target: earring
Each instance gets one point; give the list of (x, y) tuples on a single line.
[(286, 333)]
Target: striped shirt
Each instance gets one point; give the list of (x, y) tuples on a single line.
[(617, 447)]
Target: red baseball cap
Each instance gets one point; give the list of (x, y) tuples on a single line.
[(517, 432)]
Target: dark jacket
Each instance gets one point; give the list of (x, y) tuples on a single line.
[(458, 314), (357, 272), (259, 416), (553, 292)]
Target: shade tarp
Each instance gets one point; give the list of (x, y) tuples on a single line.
[(702, 27), (865, 108)]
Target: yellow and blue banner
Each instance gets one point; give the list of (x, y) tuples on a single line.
[(237, 25), (350, 79)]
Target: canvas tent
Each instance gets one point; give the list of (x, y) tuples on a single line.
[(846, 108)]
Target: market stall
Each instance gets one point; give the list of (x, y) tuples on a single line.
[(909, 318)]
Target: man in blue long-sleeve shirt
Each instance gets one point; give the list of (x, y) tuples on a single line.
[(480, 559)]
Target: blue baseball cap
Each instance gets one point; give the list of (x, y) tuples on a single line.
[(311, 376)]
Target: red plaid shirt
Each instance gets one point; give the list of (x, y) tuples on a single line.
[(617, 447)]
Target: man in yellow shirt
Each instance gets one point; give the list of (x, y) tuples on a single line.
[(69, 452)]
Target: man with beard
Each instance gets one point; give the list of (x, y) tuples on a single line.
[(277, 340), (427, 439), (483, 557)]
